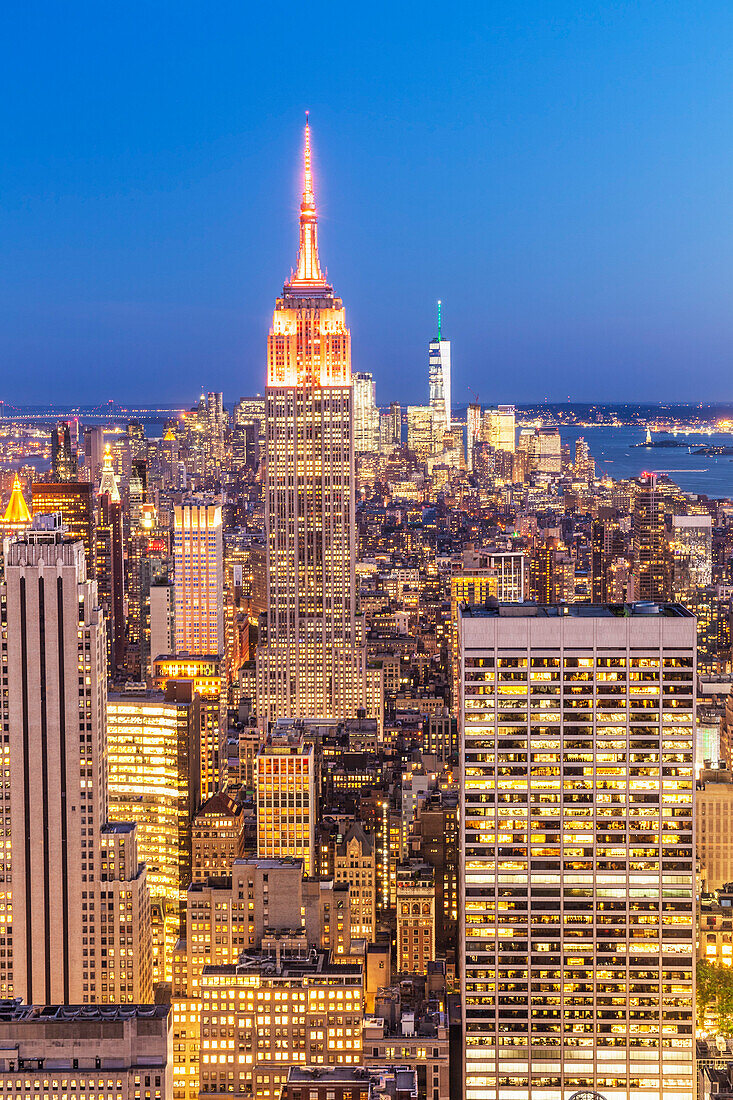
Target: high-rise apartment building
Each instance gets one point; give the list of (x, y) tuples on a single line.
[(651, 563), (577, 859), (55, 873), (110, 562), (714, 828), (285, 795), (439, 376), (395, 413), (217, 837), (354, 862), (216, 420), (198, 551), (366, 414), (311, 662)]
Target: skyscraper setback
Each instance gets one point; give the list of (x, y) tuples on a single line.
[(311, 662)]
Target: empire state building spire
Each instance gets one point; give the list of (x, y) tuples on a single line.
[(308, 273)]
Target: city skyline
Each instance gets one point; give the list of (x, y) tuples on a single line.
[(563, 198), (356, 748)]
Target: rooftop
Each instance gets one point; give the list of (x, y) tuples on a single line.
[(16, 1012), (575, 610), (317, 963)]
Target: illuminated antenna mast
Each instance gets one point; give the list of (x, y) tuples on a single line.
[(439, 326)]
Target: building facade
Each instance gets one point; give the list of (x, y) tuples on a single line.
[(311, 662), (285, 794), (366, 414), (198, 552), (111, 1054), (54, 813), (577, 868)]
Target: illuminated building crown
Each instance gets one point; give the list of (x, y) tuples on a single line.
[(309, 342), (16, 512), (307, 280), (108, 483)]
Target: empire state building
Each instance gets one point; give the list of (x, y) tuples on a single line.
[(311, 661)]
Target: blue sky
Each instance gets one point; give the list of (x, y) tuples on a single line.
[(559, 174)]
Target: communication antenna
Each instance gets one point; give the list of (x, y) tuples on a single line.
[(439, 325)]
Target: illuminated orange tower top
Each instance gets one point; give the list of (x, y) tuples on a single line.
[(309, 343)]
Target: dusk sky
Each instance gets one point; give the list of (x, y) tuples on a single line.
[(560, 174)]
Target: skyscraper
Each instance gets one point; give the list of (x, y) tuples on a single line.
[(154, 779), (651, 562), (53, 712), (577, 868), (366, 414), (473, 428), (498, 428), (439, 378), (75, 501), (198, 551), (311, 662), (285, 795), (64, 465), (110, 563)]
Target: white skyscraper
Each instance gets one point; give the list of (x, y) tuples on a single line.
[(198, 550), (577, 859), (366, 413), (439, 374)]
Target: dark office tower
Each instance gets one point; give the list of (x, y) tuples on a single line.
[(135, 495), (245, 441), (148, 563), (63, 459), (75, 501), (110, 563), (607, 544), (140, 472), (650, 545), (215, 424)]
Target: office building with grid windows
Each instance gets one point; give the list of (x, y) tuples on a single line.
[(577, 865)]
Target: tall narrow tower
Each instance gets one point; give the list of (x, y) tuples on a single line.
[(311, 662), (439, 372)]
